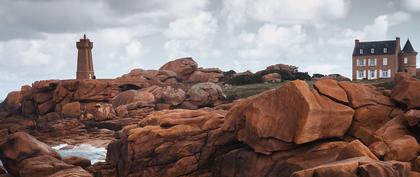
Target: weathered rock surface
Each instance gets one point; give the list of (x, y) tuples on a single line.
[(362, 95), (71, 109), (406, 90), (368, 119), (269, 122), (331, 89), (360, 166), (244, 162), (394, 142), (169, 143), (25, 156), (356, 149), (412, 117), (272, 77), (77, 161), (20, 146), (206, 75), (204, 94), (12, 103), (183, 67), (173, 96), (99, 112), (132, 96), (329, 129)]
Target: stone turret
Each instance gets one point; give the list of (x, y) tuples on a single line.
[(84, 59), (407, 59)]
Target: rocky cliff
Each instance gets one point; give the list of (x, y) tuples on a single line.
[(172, 122)]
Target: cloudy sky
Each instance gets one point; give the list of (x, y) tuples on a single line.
[(37, 37)]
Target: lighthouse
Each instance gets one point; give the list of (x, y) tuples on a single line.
[(84, 59)]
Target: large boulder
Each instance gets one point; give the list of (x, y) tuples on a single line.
[(331, 89), (41, 166), (20, 146), (412, 117), (99, 112), (141, 75), (246, 163), (394, 142), (406, 91), (77, 161), (362, 95), (12, 104), (205, 75), (272, 77), (95, 90), (132, 96), (173, 96), (359, 166), (356, 149), (169, 143), (183, 67), (71, 109), (368, 119), (295, 113), (203, 94)]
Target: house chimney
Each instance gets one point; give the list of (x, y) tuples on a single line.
[(356, 41), (397, 39)]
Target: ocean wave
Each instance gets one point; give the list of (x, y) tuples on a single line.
[(94, 154)]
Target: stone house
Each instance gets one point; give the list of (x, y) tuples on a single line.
[(382, 59)]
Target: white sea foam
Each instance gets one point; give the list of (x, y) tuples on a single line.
[(88, 151)]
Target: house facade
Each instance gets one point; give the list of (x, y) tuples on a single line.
[(382, 59)]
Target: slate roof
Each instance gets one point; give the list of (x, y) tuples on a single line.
[(408, 48), (377, 45)]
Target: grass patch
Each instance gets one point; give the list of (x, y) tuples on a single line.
[(243, 91)]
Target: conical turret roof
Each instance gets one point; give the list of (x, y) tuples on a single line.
[(408, 48)]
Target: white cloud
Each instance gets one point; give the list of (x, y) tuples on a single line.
[(159, 8), (192, 36), (378, 30), (284, 12), (271, 41), (413, 5), (198, 27)]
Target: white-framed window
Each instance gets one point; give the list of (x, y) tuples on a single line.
[(360, 74), (385, 61), (405, 60), (360, 62), (372, 50), (372, 74), (361, 51), (385, 74), (372, 62), (385, 50)]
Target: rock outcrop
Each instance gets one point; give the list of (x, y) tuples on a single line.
[(406, 91), (175, 121), (169, 143), (205, 94), (269, 122), (183, 67), (22, 155), (206, 75)]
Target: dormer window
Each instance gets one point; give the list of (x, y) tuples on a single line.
[(372, 50), (385, 50), (361, 51)]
